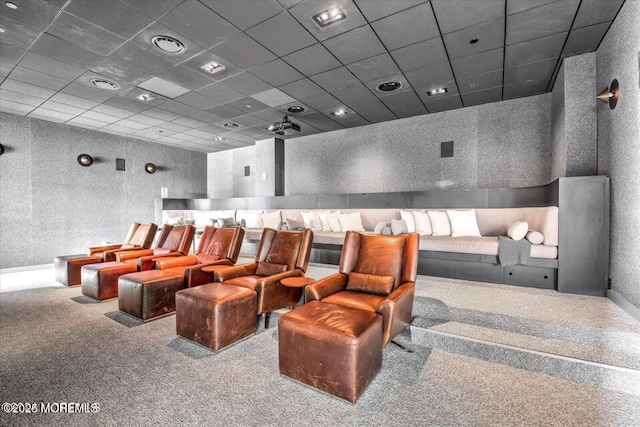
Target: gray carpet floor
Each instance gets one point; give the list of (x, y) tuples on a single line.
[(58, 346)]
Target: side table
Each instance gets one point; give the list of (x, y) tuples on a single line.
[(298, 282)]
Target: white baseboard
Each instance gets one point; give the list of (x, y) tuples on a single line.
[(25, 268), (622, 302)]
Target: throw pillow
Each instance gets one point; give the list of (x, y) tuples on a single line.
[(463, 223), (271, 219), (535, 237), (295, 224), (370, 283), (386, 230), (518, 230), (398, 226), (408, 218), (439, 223), (323, 220), (306, 217), (269, 268), (423, 223), (380, 226), (253, 220), (226, 222), (350, 222)]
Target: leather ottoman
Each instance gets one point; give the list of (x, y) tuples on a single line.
[(100, 281), (149, 294), (331, 347), (67, 267), (216, 315)]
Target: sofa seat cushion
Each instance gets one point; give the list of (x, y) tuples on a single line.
[(353, 299), (483, 245), (544, 251), (248, 282)]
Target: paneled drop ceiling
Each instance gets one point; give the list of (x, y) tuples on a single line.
[(276, 56)]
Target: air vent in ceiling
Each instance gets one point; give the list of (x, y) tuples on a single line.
[(168, 44)]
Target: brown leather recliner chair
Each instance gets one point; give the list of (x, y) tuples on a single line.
[(280, 254), (140, 236), (218, 246), (377, 273), (173, 241)]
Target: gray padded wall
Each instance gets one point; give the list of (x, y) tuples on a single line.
[(50, 205), (558, 137), (619, 147), (495, 145)]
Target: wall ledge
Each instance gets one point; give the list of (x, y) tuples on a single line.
[(624, 304)]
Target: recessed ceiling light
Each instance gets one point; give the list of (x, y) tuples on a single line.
[(231, 125), (168, 44), (219, 139), (11, 5), (249, 106), (1, 30), (296, 109), (145, 97), (473, 41), (213, 67), (339, 113), (438, 91), (104, 84), (329, 16), (388, 86)]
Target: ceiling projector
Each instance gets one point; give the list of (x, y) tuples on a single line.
[(279, 127)]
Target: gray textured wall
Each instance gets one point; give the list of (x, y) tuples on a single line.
[(619, 147), (225, 171), (503, 144), (50, 205), (558, 137)]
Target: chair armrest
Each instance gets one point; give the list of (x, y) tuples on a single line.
[(179, 261), (273, 295), (326, 286), (194, 276), (396, 310), (111, 254), (125, 255), (237, 271), (94, 249), (149, 261)]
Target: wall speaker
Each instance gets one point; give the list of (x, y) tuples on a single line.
[(150, 168), (446, 149), (247, 170), (120, 164), (85, 160)]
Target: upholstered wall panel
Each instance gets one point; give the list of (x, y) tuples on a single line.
[(619, 147), (50, 205)]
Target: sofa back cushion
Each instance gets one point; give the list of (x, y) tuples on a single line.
[(496, 222), (370, 283)]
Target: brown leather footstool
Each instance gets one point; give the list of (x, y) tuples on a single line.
[(100, 281), (149, 294), (216, 315), (67, 267), (331, 347)]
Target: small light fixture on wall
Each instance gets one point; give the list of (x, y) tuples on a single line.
[(1, 149), (150, 168), (85, 160), (610, 94)]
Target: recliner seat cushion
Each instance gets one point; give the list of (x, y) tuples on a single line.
[(353, 299)]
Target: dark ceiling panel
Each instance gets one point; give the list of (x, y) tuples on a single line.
[(407, 27), (248, 105), (244, 14), (16, 33), (115, 16), (33, 14), (128, 104), (374, 10), (355, 45), (421, 54), (196, 63), (199, 23), (142, 58), (335, 79), (220, 93), (534, 50), (87, 92), (437, 105), (379, 116), (534, 71), (82, 33), (186, 77), (76, 101), (246, 83), (322, 102), (489, 35), (243, 51), (114, 69), (515, 6), (585, 39), (198, 101), (519, 90), (21, 98), (596, 11), (50, 66), (479, 63), (403, 98), (454, 15), (37, 78), (542, 21), (276, 73), (153, 8), (60, 50), (305, 11), (374, 68), (312, 60), (479, 82), (301, 89), (430, 75), (409, 110), (282, 34)]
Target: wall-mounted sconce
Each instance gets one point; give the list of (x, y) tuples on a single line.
[(150, 168), (610, 94), (85, 160), (1, 149)]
